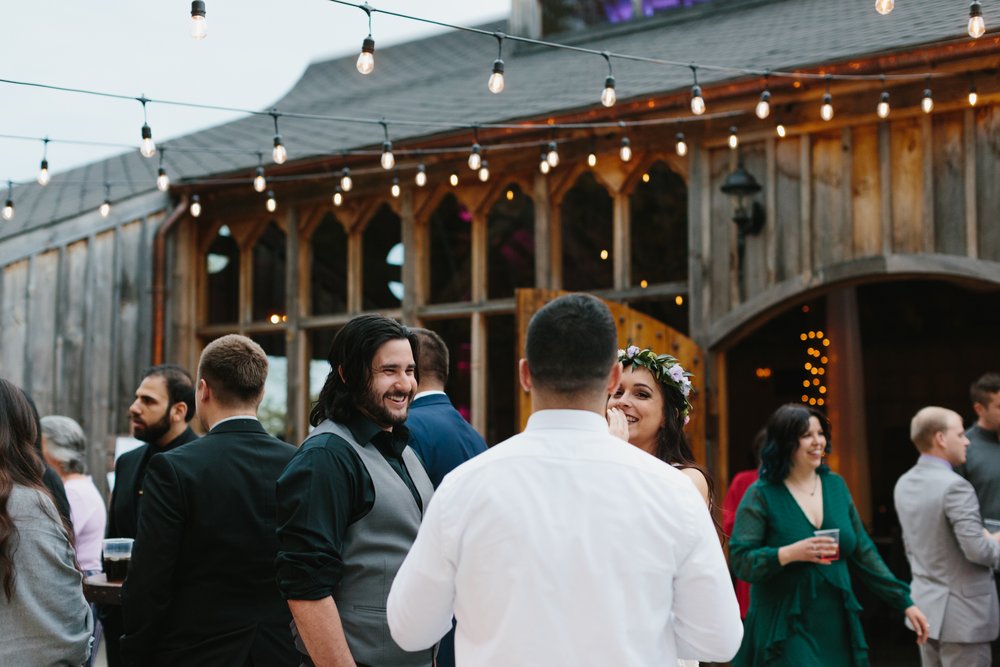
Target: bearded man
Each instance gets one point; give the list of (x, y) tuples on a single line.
[(351, 500), (159, 416)]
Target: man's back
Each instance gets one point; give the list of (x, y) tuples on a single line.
[(202, 589), (570, 547)]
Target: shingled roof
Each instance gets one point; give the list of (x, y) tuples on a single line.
[(443, 78)]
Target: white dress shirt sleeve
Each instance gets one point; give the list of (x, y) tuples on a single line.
[(707, 623), (422, 597)]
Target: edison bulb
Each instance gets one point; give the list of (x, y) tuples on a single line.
[(681, 146), (280, 154), (608, 95), (195, 206), (147, 147), (475, 159), (826, 111), (552, 157), (976, 24), (395, 189), (927, 102), (763, 109), (883, 106), (883, 7), (780, 129), (734, 140), (8, 210), (162, 180), (366, 59), (338, 198), (543, 166), (697, 101), (388, 160), (272, 203), (625, 152), (105, 209), (421, 178), (592, 160), (496, 82), (43, 174), (973, 96), (346, 183), (484, 172), (453, 179), (199, 24)]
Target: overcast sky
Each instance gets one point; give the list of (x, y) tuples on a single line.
[(255, 51)]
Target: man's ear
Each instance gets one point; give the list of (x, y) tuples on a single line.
[(524, 375), (979, 408), (614, 378), (178, 412)]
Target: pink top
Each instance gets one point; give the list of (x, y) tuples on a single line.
[(86, 508)]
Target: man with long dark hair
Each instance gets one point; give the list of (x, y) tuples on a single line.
[(351, 500)]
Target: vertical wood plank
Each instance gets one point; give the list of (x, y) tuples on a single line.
[(99, 357), (755, 250), (480, 250), (788, 214), (770, 207), (543, 229), (722, 257), (355, 269), (699, 239), (14, 322), (297, 374), (885, 181), (805, 200), (26, 360), (846, 246), (246, 284), (71, 307), (480, 363), (907, 183), (971, 210), (42, 329), (621, 243), (827, 217), (987, 180), (129, 253), (949, 187), (927, 152), (867, 191)]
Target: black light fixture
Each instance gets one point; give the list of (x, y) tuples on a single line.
[(748, 215)]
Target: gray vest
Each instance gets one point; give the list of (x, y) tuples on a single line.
[(374, 548)]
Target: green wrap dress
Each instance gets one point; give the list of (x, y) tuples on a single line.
[(805, 614)]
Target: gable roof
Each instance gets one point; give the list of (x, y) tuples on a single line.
[(443, 78)]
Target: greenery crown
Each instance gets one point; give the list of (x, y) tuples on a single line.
[(667, 371)]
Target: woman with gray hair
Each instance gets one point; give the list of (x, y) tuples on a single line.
[(64, 446)]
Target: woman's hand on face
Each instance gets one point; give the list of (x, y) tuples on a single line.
[(817, 550), (919, 623), (617, 423)]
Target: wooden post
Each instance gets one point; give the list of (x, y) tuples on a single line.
[(409, 270), (355, 268), (297, 373), (543, 233), (971, 213), (621, 240)]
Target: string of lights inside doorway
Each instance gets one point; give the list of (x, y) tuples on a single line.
[(550, 150)]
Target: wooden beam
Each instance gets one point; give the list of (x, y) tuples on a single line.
[(480, 365), (971, 208), (297, 372), (885, 183), (621, 244), (543, 231), (927, 134), (355, 268)]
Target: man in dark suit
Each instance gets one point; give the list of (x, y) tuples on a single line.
[(159, 416), (201, 588), (439, 434)]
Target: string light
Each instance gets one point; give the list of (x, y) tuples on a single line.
[(543, 164), (734, 140), (279, 154), (195, 206), (147, 147), (883, 7), (259, 182), (395, 190), (338, 197), (973, 95), (199, 24), (826, 110), (977, 27), (608, 95), (162, 180), (8, 207), (475, 156), (625, 152), (591, 159), (927, 101), (552, 156), (780, 130), (346, 183), (883, 108), (388, 160), (105, 208), (496, 82), (680, 144), (484, 172), (453, 180), (763, 109), (271, 204), (421, 177), (43, 171), (366, 59), (697, 101)]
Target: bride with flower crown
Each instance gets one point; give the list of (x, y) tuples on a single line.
[(650, 409)]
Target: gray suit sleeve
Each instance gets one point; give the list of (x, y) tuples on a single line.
[(962, 509)]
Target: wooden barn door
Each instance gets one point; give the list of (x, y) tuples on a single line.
[(634, 328)]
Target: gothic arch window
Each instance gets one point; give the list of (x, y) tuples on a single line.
[(328, 267), (382, 267), (511, 234), (659, 227), (450, 232), (222, 268), (269, 261), (586, 217)]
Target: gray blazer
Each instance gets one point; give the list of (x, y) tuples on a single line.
[(950, 557)]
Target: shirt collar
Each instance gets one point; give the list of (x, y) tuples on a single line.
[(234, 417), (935, 460), (365, 430), (583, 420), (429, 392)]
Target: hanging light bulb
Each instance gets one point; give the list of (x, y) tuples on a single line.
[(271, 203), (608, 96), (199, 24), (366, 59), (388, 159), (395, 188), (496, 82), (8, 207), (280, 154), (734, 140), (421, 178), (826, 110), (697, 101), (475, 157), (43, 173), (146, 146), (780, 129), (346, 183), (927, 101), (680, 144), (592, 159), (162, 180), (552, 156), (977, 27), (105, 209), (763, 109), (259, 182), (973, 95), (883, 105), (453, 179), (338, 197), (543, 165), (883, 7), (195, 206), (484, 172), (625, 152)]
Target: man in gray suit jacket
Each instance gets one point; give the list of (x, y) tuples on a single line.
[(950, 553)]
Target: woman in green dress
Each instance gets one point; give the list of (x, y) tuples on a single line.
[(802, 609)]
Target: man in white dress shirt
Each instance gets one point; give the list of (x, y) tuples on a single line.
[(565, 545)]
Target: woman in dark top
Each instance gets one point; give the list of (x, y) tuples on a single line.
[(803, 611)]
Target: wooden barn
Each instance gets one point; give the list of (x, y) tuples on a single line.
[(861, 274)]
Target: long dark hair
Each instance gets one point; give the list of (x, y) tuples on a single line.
[(20, 464), (351, 356), (788, 423)]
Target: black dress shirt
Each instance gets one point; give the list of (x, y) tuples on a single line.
[(325, 489)]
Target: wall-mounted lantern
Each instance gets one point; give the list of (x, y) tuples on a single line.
[(748, 215)]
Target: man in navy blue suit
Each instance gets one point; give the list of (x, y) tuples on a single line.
[(439, 434)]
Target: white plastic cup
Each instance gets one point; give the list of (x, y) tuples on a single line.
[(835, 534)]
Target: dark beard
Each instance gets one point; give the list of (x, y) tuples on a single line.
[(370, 405), (154, 432)]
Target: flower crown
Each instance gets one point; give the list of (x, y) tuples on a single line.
[(666, 370)]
